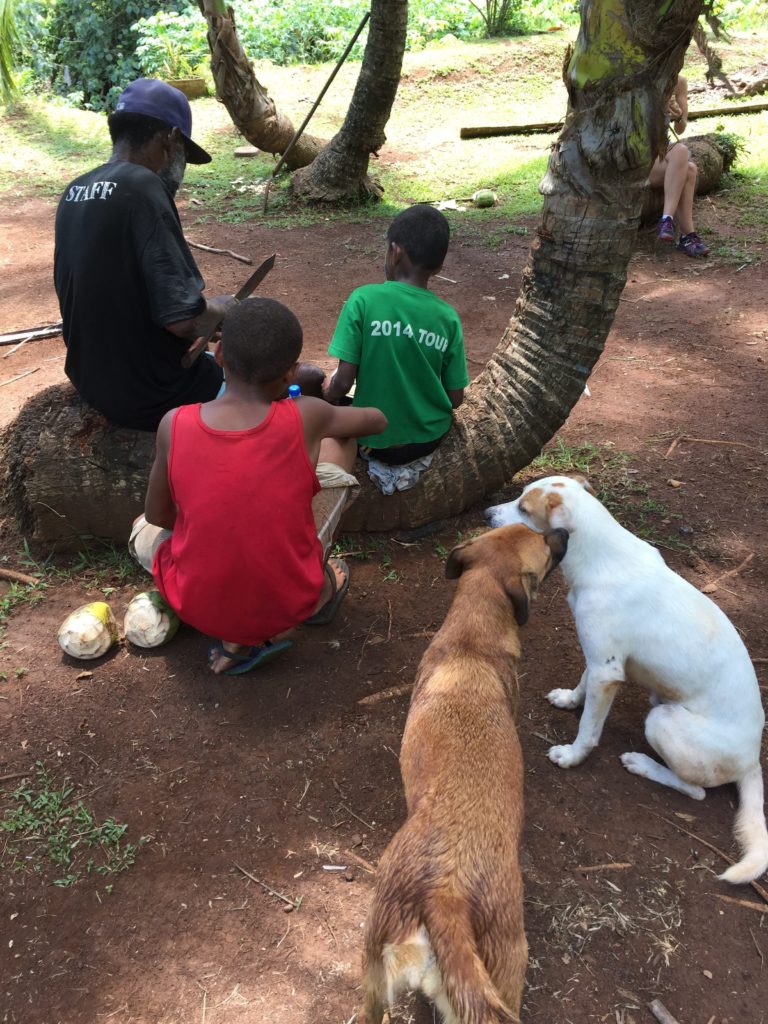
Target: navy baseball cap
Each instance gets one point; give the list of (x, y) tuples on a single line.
[(154, 98)]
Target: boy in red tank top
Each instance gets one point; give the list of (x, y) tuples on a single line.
[(234, 479)]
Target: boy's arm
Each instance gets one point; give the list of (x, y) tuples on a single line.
[(323, 420), (342, 380), (159, 508), (456, 396)]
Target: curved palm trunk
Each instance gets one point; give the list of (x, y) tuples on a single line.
[(618, 76), (340, 172), (252, 110)]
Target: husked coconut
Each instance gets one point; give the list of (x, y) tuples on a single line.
[(149, 620), (89, 631)]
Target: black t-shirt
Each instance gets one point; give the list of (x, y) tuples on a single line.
[(122, 271)]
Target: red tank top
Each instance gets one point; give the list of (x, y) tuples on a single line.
[(243, 562)]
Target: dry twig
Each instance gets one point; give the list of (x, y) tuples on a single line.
[(392, 691), (610, 866), (661, 1013), (710, 846), (357, 817), (749, 904), (17, 577), (361, 861), (293, 904), (707, 440), (712, 585), (759, 951), (220, 252), (19, 376)]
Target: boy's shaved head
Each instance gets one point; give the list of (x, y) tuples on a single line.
[(261, 339), (423, 232)]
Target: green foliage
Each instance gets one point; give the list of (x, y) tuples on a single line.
[(47, 827), (739, 15), (87, 49), (172, 44), (9, 39)]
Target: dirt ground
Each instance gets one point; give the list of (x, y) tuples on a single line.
[(285, 772)]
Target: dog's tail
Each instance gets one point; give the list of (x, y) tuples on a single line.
[(751, 831), (470, 991)]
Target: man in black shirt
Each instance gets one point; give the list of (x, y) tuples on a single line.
[(129, 289)]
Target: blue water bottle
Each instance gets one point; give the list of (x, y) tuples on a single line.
[(294, 390)]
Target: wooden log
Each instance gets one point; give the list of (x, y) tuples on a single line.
[(68, 475), (550, 127), (494, 131)]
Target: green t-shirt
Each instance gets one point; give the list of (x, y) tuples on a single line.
[(409, 349)]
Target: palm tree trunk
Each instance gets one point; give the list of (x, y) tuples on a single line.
[(619, 75), (340, 172), (252, 110)]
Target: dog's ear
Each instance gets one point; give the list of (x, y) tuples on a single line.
[(557, 542), (457, 561), (585, 484), (521, 592)]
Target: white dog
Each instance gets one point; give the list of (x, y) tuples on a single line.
[(638, 620)]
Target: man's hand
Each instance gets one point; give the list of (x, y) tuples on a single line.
[(198, 345), (207, 326)]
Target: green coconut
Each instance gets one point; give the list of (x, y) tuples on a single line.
[(149, 620), (484, 198), (89, 631)]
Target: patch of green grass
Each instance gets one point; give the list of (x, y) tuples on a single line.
[(354, 546), (19, 594), (560, 457), (617, 486), (389, 574), (106, 563), (49, 830)]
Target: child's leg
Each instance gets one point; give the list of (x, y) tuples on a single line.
[(144, 541), (675, 178), (341, 451), (685, 207)]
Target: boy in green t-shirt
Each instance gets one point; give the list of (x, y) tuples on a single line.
[(402, 344)]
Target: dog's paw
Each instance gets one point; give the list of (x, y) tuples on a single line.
[(567, 699), (566, 756), (636, 763)]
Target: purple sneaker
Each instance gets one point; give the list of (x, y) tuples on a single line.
[(665, 230), (692, 245)]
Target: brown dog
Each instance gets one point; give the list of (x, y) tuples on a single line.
[(447, 912)]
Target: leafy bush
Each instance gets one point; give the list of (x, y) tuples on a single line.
[(293, 31), (172, 44), (92, 47)]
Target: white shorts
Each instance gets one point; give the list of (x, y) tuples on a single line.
[(338, 490)]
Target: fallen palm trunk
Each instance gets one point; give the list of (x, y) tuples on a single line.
[(550, 127)]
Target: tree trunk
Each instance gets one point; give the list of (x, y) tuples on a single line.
[(619, 76), (69, 475), (713, 155), (252, 110), (340, 172)]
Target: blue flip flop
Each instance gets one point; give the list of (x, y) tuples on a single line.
[(254, 657), (324, 615)]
